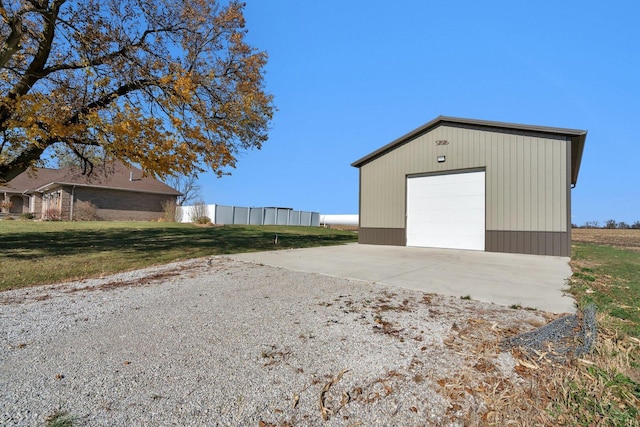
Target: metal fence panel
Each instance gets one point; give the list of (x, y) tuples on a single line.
[(224, 214), (305, 218), (256, 216), (315, 219), (269, 216), (294, 218), (241, 215), (282, 217)]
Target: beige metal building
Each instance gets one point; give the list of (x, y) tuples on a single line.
[(472, 184)]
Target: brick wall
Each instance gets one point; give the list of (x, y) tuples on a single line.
[(65, 205), (37, 206), (117, 205)]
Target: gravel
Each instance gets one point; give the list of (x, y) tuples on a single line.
[(561, 340), (217, 342)]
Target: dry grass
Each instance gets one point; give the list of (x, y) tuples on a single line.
[(600, 389), (627, 239), (343, 227), (596, 390)]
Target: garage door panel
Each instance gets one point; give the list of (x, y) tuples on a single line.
[(446, 211), (459, 216), (456, 242), (455, 203), (452, 190), (441, 229)]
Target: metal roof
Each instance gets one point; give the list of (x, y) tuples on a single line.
[(577, 137)]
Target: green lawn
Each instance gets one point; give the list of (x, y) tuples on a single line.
[(610, 278), (607, 390), (35, 253)]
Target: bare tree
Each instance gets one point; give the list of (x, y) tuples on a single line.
[(187, 185)]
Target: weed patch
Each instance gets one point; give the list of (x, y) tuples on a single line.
[(60, 419)]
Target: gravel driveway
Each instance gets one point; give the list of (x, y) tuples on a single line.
[(222, 342)]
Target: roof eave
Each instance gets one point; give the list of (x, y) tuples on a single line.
[(104, 187), (396, 142), (43, 187), (577, 148)]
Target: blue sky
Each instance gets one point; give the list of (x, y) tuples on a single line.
[(351, 76)]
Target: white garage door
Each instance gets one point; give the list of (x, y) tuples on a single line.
[(446, 211)]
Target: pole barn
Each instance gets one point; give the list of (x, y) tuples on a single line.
[(472, 184)]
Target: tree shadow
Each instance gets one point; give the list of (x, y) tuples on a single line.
[(150, 241)]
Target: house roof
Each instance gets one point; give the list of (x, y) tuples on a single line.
[(114, 176), (577, 138)]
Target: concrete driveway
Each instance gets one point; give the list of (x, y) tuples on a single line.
[(531, 281)]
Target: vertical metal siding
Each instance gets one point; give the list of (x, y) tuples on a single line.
[(382, 236), (526, 177), (528, 242)]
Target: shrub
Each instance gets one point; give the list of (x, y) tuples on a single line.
[(52, 214), (85, 211), (199, 213), (26, 216), (203, 220), (170, 212)]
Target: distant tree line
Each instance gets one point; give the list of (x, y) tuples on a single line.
[(611, 223)]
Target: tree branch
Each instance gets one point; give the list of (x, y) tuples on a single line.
[(86, 162), (101, 60), (10, 170), (107, 99), (22, 162), (12, 44), (32, 74)]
